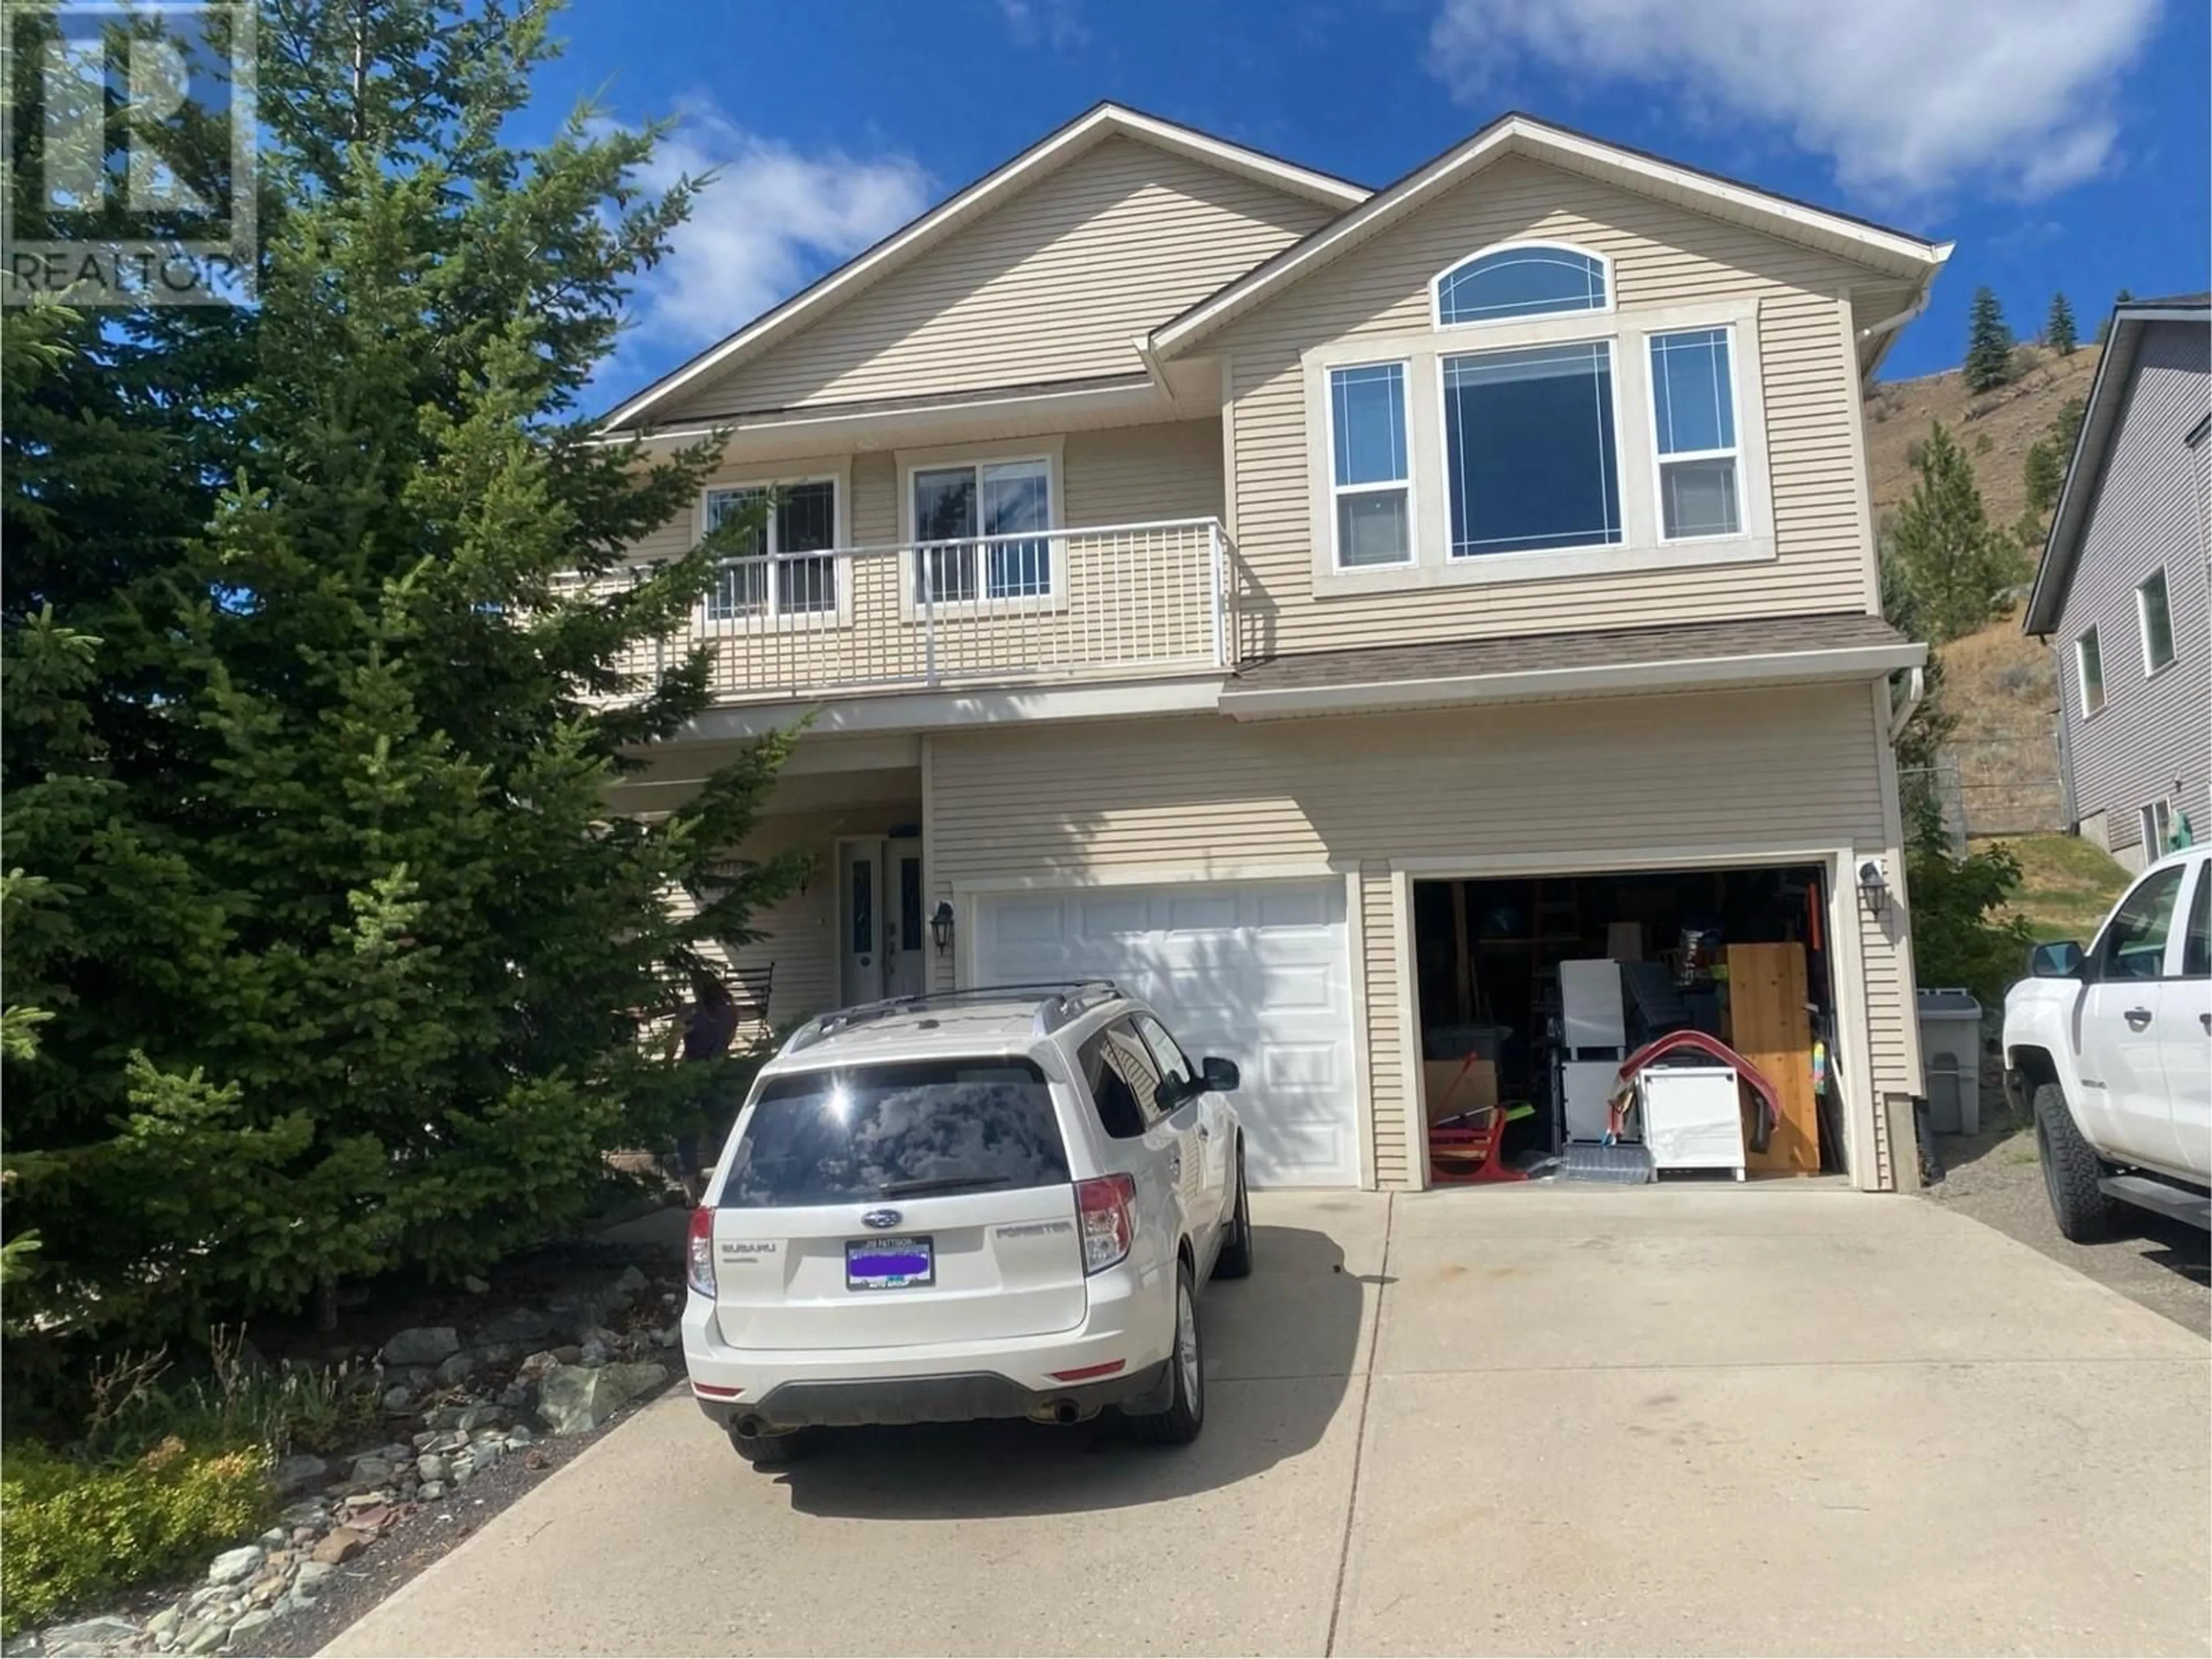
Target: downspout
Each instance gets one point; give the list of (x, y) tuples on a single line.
[(1916, 689), (1889, 325)]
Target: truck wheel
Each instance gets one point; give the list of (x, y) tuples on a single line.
[(2085, 1212)]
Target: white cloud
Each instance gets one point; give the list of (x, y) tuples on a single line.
[(1056, 23), (773, 219), (1909, 98)]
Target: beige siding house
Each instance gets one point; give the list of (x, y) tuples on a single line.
[(1329, 610)]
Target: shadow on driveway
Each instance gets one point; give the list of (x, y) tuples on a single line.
[(1280, 1348)]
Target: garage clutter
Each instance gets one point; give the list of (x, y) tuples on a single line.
[(1558, 1042)]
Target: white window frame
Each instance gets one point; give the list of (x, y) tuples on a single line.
[(1049, 452), (1540, 244), (2152, 670), (773, 618), (1642, 548), (1452, 558), (2082, 643), (2155, 822), (1337, 492), (1660, 461)]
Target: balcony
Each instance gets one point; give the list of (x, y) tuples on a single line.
[(1116, 602)]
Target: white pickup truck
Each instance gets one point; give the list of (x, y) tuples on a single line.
[(2111, 1049)]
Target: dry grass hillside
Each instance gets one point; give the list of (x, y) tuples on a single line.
[(1993, 427)]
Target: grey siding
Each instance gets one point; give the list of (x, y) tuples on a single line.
[(2148, 514)]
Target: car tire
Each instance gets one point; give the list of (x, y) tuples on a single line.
[(1179, 1425), (2086, 1214), (774, 1451), (1235, 1259)]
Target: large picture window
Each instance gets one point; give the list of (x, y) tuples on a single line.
[(1370, 462), (1530, 454), (761, 578), (1693, 412), (952, 504)]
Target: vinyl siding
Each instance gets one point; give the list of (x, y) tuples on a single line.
[(1662, 256), (2150, 512), (1052, 285), (1790, 769)]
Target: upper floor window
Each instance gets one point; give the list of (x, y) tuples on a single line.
[(761, 578), (1370, 462), (2089, 665), (1694, 407), (2157, 622), (1531, 280), (1001, 500), (1529, 451)]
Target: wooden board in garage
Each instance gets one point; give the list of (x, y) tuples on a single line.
[(1770, 1028)]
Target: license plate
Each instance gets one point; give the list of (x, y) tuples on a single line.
[(889, 1264)]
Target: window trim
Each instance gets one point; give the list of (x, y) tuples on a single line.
[(1047, 451), (1522, 246), (2083, 642), (1641, 550), (2152, 670), (838, 476), (1660, 461), (2146, 825), (1454, 559), (1337, 492)]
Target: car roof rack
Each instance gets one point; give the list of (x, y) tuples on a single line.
[(1057, 1001)]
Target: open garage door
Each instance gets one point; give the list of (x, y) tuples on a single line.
[(1258, 972)]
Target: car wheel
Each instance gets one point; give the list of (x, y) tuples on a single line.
[(1235, 1261), (2084, 1212), (773, 1451), (1178, 1425)]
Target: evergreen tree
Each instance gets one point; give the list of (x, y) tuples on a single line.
[(1989, 343), (310, 734), (2058, 328), (1951, 561), (2044, 474)]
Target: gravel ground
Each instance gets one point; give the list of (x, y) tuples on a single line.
[(2165, 1266)]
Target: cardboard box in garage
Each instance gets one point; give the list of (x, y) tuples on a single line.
[(1452, 1086)]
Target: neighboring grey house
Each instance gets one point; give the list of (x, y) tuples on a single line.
[(2122, 591)]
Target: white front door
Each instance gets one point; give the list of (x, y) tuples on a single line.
[(1256, 972), (861, 919), (906, 930)]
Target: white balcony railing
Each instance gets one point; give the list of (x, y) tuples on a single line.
[(1117, 601)]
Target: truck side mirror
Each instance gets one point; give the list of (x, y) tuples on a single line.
[(2061, 960)]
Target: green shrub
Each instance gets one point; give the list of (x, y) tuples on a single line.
[(72, 1531)]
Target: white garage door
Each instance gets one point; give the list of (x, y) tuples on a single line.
[(1258, 972)]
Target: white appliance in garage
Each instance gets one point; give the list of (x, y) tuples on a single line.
[(1257, 972)]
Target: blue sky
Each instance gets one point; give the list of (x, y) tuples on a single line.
[(2062, 143)]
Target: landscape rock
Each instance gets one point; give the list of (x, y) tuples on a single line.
[(205, 1634), (538, 1367), (165, 1623), (421, 1344), (369, 1470), (592, 1352), (457, 1368), (342, 1545), (577, 1399), (312, 1574), (91, 1632), (297, 1474), (568, 1353), (518, 1436), (473, 1285), (307, 1513), (514, 1396), (669, 1334), (431, 1490), (372, 1520), (431, 1468), (240, 1631), (235, 1566), (398, 1399), (631, 1281), (519, 1325), (486, 1453), (446, 1440), (479, 1417)]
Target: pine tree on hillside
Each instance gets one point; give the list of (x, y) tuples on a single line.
[(1951, 561), (2044, 473), (2058, 332), (1989, 343)]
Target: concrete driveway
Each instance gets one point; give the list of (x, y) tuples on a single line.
[(1506, 1421)]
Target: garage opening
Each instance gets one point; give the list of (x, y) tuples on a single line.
[(1536, 992)]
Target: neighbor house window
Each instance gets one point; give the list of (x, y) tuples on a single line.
[(1370, 479), (1520, 282), (1693, 412), (2157, 820), (989, 499), (2157, 623), (1531, 456), (2090, 662), (762, 577)]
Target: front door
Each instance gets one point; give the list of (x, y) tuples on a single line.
[(906, 937)]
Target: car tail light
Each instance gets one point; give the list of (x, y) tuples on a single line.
[(1106, 1213), (698, 1252)]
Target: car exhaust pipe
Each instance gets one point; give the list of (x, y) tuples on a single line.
[(751, 1425), (1066, 1412)]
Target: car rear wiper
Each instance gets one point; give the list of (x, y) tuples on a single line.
[(939, 1184)]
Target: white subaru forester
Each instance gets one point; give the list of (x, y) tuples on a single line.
[(994, 1203)]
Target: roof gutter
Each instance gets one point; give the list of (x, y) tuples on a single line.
[(1688, 673), (1916, 689), (1885, 331)]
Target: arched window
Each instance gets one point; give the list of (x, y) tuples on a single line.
[(1528, 279)]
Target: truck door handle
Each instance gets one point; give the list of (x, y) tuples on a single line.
[(2205, 1020), (1204, 1132), (2137, 1018)]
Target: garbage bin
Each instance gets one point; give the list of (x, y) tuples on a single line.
[(1951, 1060)]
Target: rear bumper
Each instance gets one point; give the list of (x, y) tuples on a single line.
[(960, 1398)]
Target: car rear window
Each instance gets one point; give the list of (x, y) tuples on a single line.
[(913, 1130)]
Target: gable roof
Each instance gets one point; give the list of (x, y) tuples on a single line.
[(2100, 420), (1876, 246), (1095, 125)]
